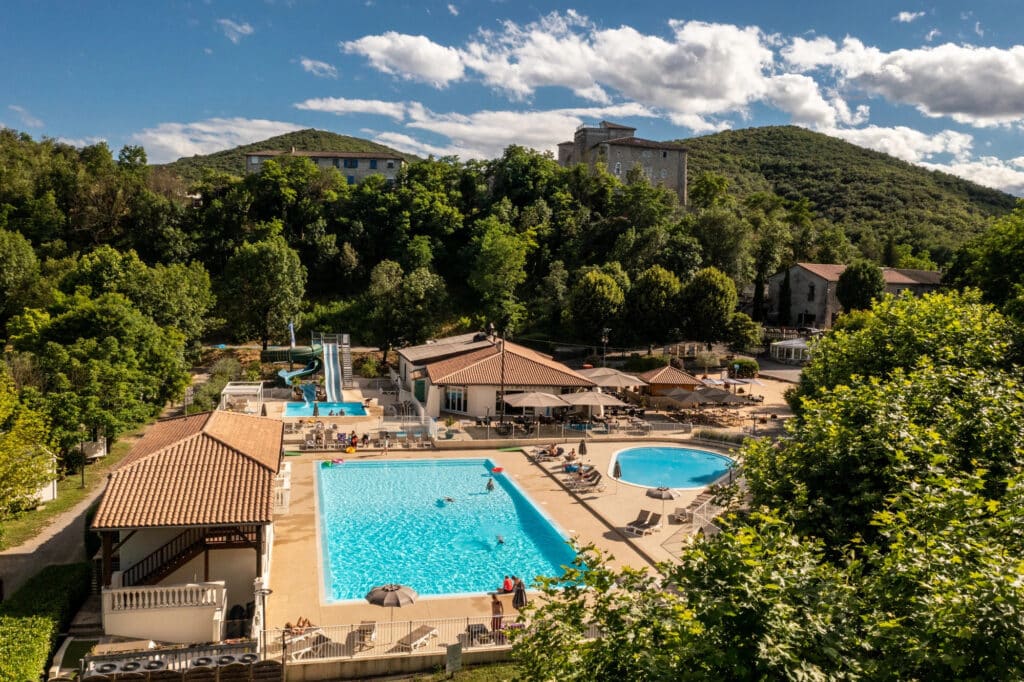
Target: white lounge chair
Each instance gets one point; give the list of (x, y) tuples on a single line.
[(417, 638)]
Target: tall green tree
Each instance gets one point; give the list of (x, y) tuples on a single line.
[(19, 271), (498, 270), (263, 288), (652, 305), (707, 303), (595, 301), (25, 463), (860, 283)]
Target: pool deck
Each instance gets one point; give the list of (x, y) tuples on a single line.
[(593, 517)]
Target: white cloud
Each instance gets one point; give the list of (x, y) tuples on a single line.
[(27, 119), (81, 141), (907, 17), (410, 145), (169, 141), (932, 35), (1018, 162), (453, 9), (411, 57), (980, 86), (988, 171), (342, 105), (318, 68), (906, 143), (234, 31)]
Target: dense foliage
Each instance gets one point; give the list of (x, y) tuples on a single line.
[(881, 541), (25, 464), (33, 616)]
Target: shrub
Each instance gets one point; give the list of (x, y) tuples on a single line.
[(719, 434), (368, 366), (743, 368), (31, 619), (228, 368), (642, 363)]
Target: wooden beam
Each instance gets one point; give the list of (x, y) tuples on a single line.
[(123, 540), (259, 553)]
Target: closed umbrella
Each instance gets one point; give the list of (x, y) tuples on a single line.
[(316, 409), (392, 595), (583, 447), (519, 598), (617, 474), (662, 493)]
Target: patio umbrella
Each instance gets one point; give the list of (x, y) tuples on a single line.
[(519, 598), (583, 447), (617, 474), (732, 399), (316, 409), (392, 595), (607, 377), (593, 399), (662, 493), (534, 399), (712, 395), (678, 393)]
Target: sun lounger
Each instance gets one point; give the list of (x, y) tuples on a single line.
[(681, 515), (300, 643), (636, 526), (653, 524), (417, 638), (478, 634)]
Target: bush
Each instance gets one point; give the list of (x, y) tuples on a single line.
[(31, 619), (367, 366), (643, 363), (228, 368), (743, 368), (719, 434)]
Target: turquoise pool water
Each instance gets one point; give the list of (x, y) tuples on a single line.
[(306, 409), (671, 467), (387, 522)]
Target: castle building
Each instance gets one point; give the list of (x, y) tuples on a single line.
[(616, 146)]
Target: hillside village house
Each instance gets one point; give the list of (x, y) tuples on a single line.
[(813, 301), (616, 146), (465, 374), (355, 166), (186, 527)]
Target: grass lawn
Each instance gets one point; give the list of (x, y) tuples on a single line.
[(76, 650), (498, 672), (69, 493)]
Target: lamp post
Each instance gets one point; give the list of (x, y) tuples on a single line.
[(604, 346), (501, 392), (262, 591)]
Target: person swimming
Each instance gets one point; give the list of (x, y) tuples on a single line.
[(490, 486), (449, 499), (501, 539)]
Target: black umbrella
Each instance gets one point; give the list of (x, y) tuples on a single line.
[(392, 595), (662, 493), (583, 447), (617, 473), (316, 409), (519, 599)]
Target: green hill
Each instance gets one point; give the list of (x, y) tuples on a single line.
[(870, 194), (312, 140)]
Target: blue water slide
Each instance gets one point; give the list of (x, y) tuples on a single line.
[(309, 392), (311, 368), (332, 373)]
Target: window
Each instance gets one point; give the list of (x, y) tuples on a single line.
[(337, 163), (373, 164), (351, 179), (391, 164), (618, 168), (664, 155), (351, 163), (455, 399), (810, 292)]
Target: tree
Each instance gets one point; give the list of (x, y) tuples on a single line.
[(949, 328), (861, 283), (498, 269), (263, 285), (19, 270), (991, 261), (743, 333), (785, 301), (708, 303), (594, 302), (725, 241), (383, 304), (652, 304), (25, 464)]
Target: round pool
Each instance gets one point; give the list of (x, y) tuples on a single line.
[(672, 467)]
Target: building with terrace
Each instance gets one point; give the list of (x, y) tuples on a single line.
[(186, 527), (467, 374)]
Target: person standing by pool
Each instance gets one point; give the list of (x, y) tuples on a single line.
[(490, 484), (497, 611), (387, 443)]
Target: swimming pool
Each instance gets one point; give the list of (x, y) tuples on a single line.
[(672, 467), (325, 409), (387, 522)]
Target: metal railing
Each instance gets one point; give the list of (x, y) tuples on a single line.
[(378, 639), (161, 556)]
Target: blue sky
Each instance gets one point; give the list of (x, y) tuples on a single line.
[(940, 84)]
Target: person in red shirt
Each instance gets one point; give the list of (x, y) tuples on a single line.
[(507, 585)]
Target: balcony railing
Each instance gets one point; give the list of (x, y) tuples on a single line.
[(192, 612)]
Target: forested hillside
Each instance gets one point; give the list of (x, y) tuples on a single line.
[(232, 161), (874, 197)]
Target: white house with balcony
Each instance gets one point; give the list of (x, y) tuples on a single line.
[(186, 527)]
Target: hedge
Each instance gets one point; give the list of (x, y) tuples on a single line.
[(643, 363), (33, 617), (743, 368)]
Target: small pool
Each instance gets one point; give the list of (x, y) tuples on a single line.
[(388, 522), (324, 409), (672, 467)]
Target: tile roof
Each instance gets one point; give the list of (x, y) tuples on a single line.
[(444, 347), (830, 272), (669, 375), (619, 126), (214, 468), (523, 367), (640, 142)]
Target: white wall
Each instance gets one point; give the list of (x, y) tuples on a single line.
[(236, 567), (165, 622)]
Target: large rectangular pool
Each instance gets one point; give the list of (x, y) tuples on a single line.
[(324, 409), (388, 522)]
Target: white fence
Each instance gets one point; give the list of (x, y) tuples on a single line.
[(192, 612)]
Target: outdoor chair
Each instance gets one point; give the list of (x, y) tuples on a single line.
[(366, 635), (653, 525), (417, 638), (680, 515), (636, 525), (478, 634)]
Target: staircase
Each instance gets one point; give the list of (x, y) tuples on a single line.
[(346, 362), (181, 549)]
